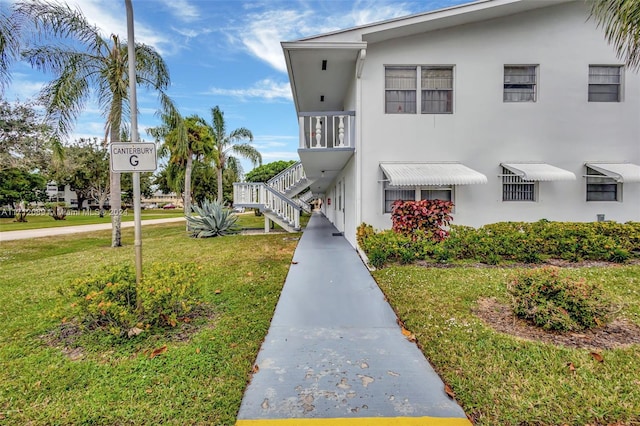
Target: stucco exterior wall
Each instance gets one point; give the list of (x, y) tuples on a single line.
[(561, 128), (343, 215)]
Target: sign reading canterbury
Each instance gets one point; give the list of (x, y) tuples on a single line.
[(133, 157)]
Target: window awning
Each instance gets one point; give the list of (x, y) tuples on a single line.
[(621, 172), (539, 172), (419, 174)]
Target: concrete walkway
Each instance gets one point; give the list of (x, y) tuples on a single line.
[(334, 353), (65, 230)]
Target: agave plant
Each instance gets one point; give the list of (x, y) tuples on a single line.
[(213, 219)]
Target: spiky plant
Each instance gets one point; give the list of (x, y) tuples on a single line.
[(213, 219)]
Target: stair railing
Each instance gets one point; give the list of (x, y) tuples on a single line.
[(260, 195), (287, 178)]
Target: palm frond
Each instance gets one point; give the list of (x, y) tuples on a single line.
[(218, 126), (9, 45), (249, 152), (59, 20), (240, 134), (620, 20), (64, 99), (151, 70)]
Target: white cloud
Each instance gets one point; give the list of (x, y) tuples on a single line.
[(110, 18), (367, 12), (268, 157), (182, 10), (266, 89), (261, 32), (273, 141), (22, 89)]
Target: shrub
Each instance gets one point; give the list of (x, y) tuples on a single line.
[(555, 301), (108, 301), (58, 211), (428, 216), (363, 233), (213, 220), (510, 242)]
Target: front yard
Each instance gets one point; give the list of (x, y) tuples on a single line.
[(197, 374), (503, 379), (197, 379)]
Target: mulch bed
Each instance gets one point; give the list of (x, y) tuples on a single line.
[(618, 334)]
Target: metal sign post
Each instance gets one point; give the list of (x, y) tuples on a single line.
[(131, 49)]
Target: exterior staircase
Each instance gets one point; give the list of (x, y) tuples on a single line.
[(278, 199)]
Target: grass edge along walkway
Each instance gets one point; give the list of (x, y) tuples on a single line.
[(359, 421)]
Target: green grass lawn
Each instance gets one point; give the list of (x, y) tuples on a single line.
[(503, 380), (197, 381), (81, 217)]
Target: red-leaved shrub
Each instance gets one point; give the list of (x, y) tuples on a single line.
[(427, 216)]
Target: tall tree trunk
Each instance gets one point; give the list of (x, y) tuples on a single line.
[(116, 194), (187, 185), (219, 175)]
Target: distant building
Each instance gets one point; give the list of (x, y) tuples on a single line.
[(158, 199), (65, 194)]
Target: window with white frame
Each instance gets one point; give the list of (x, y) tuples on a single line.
[(520, 83), (433, 91), (601, 187), (515, 189), (400, 90), (605, 83), (391, 194), (437, 90), (442, 193)]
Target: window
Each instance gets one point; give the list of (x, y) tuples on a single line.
[(391, 193), (437, 193), (437, 90), (601, 187), (519, 83), (400, 90), (515, 189), (605, 83)]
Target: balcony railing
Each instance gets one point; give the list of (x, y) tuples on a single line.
[(327, 129)]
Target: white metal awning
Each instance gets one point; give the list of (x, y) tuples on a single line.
[(418, 174), (621, 172), (539, 172)]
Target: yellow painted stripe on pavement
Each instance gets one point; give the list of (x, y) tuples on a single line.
[(360, 421)]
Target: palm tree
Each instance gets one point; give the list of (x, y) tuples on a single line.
[(225, 145), (185, 140), (91, 61), (621, 22)]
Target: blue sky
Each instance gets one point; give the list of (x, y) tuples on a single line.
[(223, 52)]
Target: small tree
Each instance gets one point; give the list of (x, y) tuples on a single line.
[(267, 171), (18, 188)]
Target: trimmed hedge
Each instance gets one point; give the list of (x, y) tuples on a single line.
[(509, 242)]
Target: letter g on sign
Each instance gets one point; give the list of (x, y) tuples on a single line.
[(133, 160)]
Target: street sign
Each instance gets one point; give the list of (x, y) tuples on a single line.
[(133, 157)]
